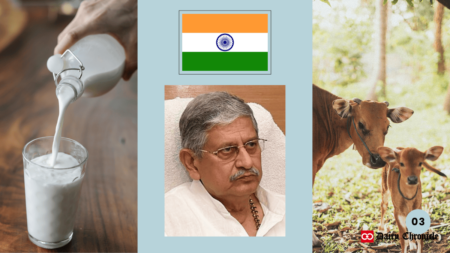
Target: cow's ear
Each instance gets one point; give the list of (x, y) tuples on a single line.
[(342, 107), (433, 153), (399, 114), (387, 154)]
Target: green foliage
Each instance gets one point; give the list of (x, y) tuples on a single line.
[(341, 50), (410, 2), (393, 1), (338, 51), (422, 16), (326, 1)]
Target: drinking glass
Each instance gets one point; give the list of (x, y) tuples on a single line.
[(52, 193)]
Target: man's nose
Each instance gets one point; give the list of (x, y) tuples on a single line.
[(243, 159)]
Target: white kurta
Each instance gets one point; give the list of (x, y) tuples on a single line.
[(191, 211)]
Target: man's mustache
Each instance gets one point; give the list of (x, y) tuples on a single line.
[(242, 172)]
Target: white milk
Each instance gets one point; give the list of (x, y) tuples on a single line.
[(65, 96), (52, 197)]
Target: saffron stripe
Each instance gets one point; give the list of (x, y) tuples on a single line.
[(225, 23)]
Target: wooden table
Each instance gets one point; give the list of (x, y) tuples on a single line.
[(271, 97), (106, 219)]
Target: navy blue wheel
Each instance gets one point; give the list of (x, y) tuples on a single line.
[(225, 42)]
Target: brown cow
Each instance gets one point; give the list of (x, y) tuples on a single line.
[(334, 129), (401, 180)]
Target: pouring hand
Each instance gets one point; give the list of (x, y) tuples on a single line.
[(117, 18)]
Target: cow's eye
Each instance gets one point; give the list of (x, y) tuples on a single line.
[(360, 125), (363, 128), (420, 164), (402, 164)]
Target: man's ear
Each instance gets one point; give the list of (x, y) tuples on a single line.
[(187, 158), (342, 107), (387, 154), (433, 153), (399, 114)]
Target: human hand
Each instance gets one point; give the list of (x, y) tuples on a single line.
[(117, 18)]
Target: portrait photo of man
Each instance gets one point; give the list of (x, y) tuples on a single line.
[(221, 152)]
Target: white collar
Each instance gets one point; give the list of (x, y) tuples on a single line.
[(269, 201)]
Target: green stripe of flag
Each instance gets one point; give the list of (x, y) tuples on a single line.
[(225, 61)]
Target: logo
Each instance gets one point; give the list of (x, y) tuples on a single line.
[(225, 42), (367, 236), (407, 236)]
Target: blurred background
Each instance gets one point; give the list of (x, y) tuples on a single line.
[(271, 97), (398, 53), (106, 219)]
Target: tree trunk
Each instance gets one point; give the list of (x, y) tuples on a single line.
[(438, 15), (447, 101), (380, 66)]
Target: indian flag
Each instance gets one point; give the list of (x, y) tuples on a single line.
[(225, 42)]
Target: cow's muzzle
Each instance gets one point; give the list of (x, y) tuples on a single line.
[(376, 161), (412, 180)]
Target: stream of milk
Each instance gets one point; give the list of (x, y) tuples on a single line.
[(65, 97)]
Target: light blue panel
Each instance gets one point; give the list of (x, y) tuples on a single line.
[(158, 66)]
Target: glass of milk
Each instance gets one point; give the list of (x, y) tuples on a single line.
[(52, 193)]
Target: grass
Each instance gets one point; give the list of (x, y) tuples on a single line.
[(344, 177)]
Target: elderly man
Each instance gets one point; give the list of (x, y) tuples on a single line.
[(221, 150)]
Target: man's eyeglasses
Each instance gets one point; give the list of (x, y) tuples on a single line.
[(230, 153)]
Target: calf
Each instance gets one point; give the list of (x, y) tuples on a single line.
[(401, 179)]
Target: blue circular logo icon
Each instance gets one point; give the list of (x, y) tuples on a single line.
[(418, 221), (225, 42)]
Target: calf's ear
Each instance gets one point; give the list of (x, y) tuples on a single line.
[(433, 153), (399, 114), (387, 154), (342, 107)]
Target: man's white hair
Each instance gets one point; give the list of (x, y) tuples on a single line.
[(206, 111)]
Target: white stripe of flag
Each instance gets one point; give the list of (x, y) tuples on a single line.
[(243, 42)]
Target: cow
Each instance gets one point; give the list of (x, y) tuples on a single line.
[(338, 123), (401, 181)]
